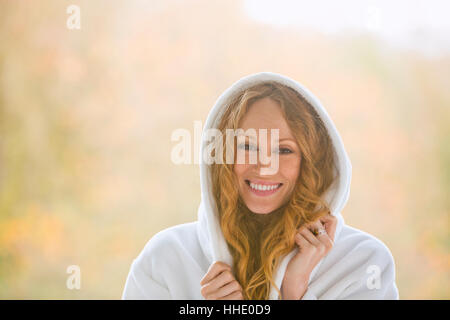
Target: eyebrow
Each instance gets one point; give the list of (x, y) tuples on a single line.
[(289, 139)]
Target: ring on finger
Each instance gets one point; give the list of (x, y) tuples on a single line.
[(321, 232)]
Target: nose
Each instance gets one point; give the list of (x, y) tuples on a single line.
[(264, 157), (268, 161)]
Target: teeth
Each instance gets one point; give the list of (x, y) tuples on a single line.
[(263, 187)]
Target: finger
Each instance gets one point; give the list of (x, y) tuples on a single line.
[(330, 223), (327, 218), (237, 295), (314, 227), (227, 289), (222, 279), (301, 241), (214, 284), (308, 235), (324, 238), (322, 234), (215, 269)]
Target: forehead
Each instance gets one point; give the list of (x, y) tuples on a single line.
[(266, 114)]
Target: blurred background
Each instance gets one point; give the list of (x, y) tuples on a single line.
[(86, 117)]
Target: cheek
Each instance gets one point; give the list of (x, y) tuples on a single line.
[(239, 170), (290, 169)]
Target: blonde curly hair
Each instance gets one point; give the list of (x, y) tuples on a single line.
[(258, 242)]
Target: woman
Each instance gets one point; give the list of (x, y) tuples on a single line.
[(265, 232)]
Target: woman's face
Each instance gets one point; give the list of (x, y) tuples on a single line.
[(263, 194)]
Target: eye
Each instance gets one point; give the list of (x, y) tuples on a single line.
[(284, 150), (247, 147)]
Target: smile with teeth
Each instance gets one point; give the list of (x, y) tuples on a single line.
[(263, 188)]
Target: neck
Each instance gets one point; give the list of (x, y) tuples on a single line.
[(256, 223)]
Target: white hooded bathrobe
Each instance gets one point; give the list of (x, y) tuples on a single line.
[(172, 263)]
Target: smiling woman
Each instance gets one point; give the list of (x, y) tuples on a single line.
[(290, 201), (264, 194), (268, 236)]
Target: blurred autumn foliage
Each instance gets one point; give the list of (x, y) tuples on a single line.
[(86, 118)]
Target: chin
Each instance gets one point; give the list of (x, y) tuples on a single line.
[(260, 210)]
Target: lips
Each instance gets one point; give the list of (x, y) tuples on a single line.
[(263, 188)]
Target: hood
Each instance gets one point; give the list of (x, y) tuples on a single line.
[(209, 231)]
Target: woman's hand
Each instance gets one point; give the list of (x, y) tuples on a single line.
[(220, 284), (312, 248)]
